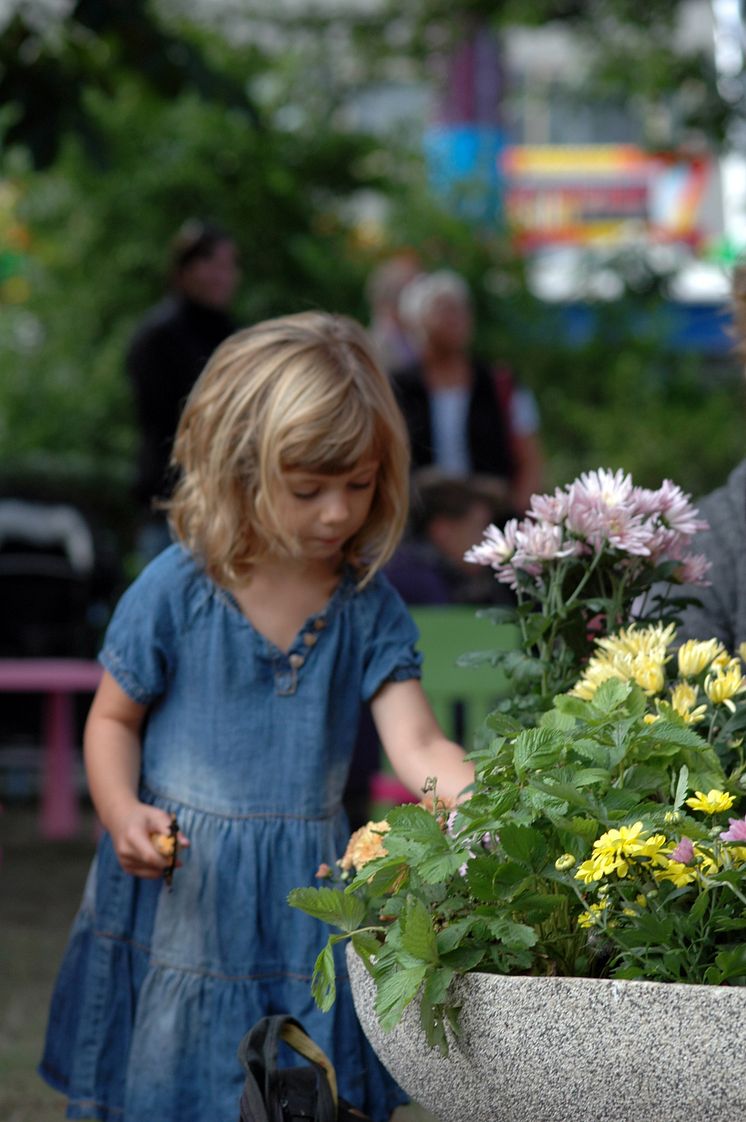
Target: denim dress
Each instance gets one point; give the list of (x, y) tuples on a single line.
[(249, 746)]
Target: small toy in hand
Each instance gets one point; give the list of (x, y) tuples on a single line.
[(168, 846)]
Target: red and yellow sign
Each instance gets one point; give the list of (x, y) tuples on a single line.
[(602, 194)]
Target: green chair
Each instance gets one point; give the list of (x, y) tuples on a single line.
[(461, 696)]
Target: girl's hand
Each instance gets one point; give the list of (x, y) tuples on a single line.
[(131, 830)]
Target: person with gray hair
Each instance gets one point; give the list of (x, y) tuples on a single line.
[(718, 611), (465, 416)]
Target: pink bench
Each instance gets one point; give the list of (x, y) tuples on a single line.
[(58, 679)]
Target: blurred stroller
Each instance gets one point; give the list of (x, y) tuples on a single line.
[(48, 579)]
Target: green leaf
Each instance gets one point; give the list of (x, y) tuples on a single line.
[(440, 866), (534, 626), (514, 936), (586, 777), (524, 845), (366, 944), (565, 792), (463, 959), (432, 1024), (436, 986), (499, 615), (330, 905), (603, 755), (682, 786), (558, 721), (323, 982), (415, 824), (450, 937), (535, 907), (378, 875), (669, 732), (585, 828), (699, 907), (571, 706), (488, 878), (732, 962), (610, 695), (542, 803), (492, 657), (705, 769), (502, 724), (417, 934), (537, 748), (395, 991)]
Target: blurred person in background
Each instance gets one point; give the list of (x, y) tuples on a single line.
[(392, 340), (168, 352), (721, 609), (447, 516), (464, 415)]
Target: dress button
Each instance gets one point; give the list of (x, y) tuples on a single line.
[(309, 638), (296, 661), (319, 623)]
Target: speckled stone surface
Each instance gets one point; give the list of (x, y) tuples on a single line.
[(572, 1050)]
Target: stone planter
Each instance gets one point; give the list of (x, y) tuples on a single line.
[(570, 1049)]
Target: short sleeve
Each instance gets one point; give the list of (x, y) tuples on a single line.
[(140, 640), (391, 654)]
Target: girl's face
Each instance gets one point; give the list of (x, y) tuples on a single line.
[(324, 511)]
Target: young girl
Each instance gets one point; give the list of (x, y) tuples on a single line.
[(235, 667)]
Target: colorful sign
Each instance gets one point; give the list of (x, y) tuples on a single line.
[(608, 195)]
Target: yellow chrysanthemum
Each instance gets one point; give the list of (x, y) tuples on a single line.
[(647, 642), (725, 683), (695, 655), (648, 674), (612, 853), (707, 862), (678, 873), (594, 915), (652, 848), (742, 652), (598, 671), (365, 845), (684, 702), (633, 654), (711, 803)]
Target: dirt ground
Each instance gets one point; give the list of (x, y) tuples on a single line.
[(40, 886)]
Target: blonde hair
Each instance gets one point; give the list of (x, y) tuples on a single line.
[(302, 392)]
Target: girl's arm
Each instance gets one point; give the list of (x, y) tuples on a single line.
[(112, 758), (414, 742)]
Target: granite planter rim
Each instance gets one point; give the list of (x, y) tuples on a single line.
[(543, 1049)]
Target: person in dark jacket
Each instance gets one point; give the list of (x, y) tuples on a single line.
[(168, 351), (464, 416)]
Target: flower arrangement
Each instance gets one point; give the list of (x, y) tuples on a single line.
[(596, 554), (605, 833)]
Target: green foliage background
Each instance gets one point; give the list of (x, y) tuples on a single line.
[(246, 148)]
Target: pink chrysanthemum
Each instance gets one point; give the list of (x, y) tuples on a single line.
[(497, 546), (672, 506), (736, 831), (684, 852), (694, 569)]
